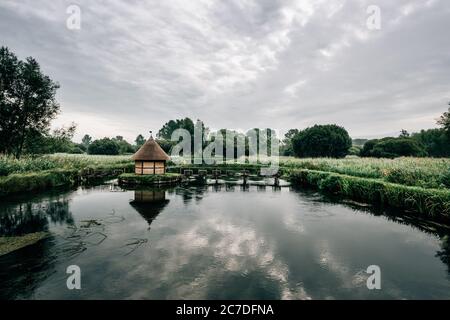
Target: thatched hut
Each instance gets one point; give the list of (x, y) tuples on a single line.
[(150, 158)]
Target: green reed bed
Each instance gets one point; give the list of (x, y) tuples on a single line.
[(35, 181), (9, 165), (430, 202), (45, 172), (420, 172)]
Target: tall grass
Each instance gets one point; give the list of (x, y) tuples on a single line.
[(34, 181), (420, 172), (9, 165)]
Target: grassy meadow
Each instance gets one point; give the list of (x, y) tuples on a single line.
[(10, 165)]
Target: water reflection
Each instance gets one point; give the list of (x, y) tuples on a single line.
[(444, 253), (149, 203), (439, 229), (191, 193), (34, 216), (220, 242), (22, 271)]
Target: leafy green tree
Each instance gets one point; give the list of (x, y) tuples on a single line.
[(436, 142), (166, 145), (354, 151), (444, 121), (27, 101), (86, 141), (322, 141), (169, 127), (404, 134), (393, 147), (139, 141), (286, 147), (124, 146), (368, 147), (230, 140), (165, 133), (398, 147), (104, 146), (60, 140)]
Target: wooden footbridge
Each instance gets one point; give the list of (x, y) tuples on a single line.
[(245, 177)]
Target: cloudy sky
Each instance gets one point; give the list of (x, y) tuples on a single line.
[(239, 64)]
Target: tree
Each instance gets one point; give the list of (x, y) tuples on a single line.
[(444, 121), (354, 150), (404, 134), (124, 146), (104, 146), (61, 139), (398, 147), (368, 147), (86, 141), (393, 147), (27, 101), (286, 147), (166, 145), (322, 141), (436, 142), (139, 141), (169, 127)]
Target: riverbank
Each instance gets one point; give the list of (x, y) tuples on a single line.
[(59, 170), (434, 203), (37, 181), (10, 244)]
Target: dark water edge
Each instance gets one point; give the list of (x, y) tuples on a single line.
[(217, 242)]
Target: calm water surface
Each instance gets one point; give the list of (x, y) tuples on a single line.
[(217, 243)]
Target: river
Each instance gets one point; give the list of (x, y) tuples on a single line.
[(218, 242)]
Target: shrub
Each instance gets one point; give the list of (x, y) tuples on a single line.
[(393, 148), (104, 146), (354, 151)]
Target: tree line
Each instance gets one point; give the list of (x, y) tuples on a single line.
[(334, 141), (28, 105)]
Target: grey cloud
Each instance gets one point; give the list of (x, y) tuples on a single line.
[(239, 64)]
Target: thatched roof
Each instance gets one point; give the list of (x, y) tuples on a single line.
[(149, 211), (150, 151), (149, 202)]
